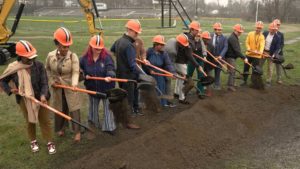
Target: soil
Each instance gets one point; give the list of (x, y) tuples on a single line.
[(243, 129)]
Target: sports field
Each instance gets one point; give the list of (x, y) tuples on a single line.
[(14, 144)]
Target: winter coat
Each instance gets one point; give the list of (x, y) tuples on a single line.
[(69, 76), (255, 42)]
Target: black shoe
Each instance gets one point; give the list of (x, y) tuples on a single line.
[(176, 96), (201, 96), (184, 101), (112, 133)]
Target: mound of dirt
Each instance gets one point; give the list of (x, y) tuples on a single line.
[(247, 128)]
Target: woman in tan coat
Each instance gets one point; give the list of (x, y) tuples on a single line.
[(63, 68)]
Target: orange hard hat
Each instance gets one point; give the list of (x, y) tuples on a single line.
[(182, 39), (277, 22), (238, 28), (205, 35), (273, 26), (217, 25), (159, 39), (195, 25), (97, 42), (134, 25), (25, 49), (63, 36), (259, 24)]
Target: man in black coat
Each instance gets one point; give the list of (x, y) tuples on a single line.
[(233, 52)]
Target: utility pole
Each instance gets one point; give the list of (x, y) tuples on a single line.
[(256, 16)]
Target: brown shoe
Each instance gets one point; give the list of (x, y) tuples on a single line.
[(77, 137), (132, 126)]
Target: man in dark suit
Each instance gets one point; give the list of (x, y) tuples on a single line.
[(272, 48)]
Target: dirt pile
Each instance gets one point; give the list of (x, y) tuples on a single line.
[(241, 129)]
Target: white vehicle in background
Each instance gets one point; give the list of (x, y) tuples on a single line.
[(101, 6)]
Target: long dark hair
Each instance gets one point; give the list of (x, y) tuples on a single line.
[(89, 54)]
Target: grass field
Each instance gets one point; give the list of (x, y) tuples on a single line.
[(14, 145)]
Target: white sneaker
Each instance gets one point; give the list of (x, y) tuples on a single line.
[(34, 146), (51, 148)]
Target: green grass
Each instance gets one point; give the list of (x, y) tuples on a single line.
[(14, 145)]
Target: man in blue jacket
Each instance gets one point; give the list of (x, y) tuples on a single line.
[(272, 48), (220, 44), (281, 37), (125, 53)]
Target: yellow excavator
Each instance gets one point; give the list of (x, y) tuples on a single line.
[(7, 49), (87, 7)]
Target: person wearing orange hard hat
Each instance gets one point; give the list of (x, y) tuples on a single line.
[(233, 52), (272, 48), (62, 67), (281, 36), (98, 62), (30, 80), (206, 37), (219, 41), (255, 44), (198, 48), (125, 53), (158, 57), (184, 55)]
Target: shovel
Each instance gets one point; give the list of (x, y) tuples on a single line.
[(102, 95), (232, 67), (58, 112), (210, 63), (217, 60), (150, 83), (112, 79)]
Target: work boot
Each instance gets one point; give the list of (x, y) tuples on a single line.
[(176, 96), (184, 101), (132, 126)]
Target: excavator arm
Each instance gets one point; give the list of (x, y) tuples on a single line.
[(87, 7), (6, 7), (7, 49)]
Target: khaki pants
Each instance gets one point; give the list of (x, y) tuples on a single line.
[(270, 68), (44, 121), (182, 69), (231, 75)]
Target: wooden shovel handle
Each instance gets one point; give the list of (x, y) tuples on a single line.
[(199, 57), (112, 79), (155, 67), (75, 89), (215, 58), (49, 108)]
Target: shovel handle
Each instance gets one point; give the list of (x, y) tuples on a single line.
[(215, 58), (81, 90), (162, 74), (49, 108), (199, 57), (155, 67), (112, 79), (75, 89)]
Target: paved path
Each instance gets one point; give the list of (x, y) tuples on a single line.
[(292, 41)]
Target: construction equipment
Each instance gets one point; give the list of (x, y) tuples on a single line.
[(7, 49), (87, 7)]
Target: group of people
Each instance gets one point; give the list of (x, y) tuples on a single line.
[(27, 77)]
